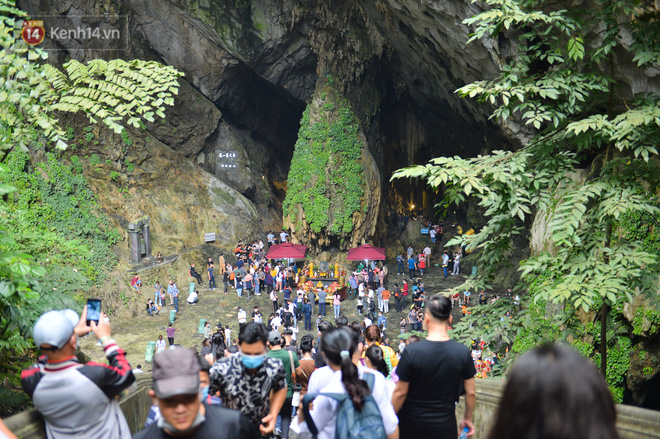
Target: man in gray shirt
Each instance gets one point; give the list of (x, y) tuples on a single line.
[(77, 399), (322, 296)]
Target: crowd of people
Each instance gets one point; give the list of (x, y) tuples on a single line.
[(269, 379), (344, 379)]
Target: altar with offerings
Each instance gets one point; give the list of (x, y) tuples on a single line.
[(328, 284), (323, 276)]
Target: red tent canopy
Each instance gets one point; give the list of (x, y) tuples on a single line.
[(286, 251), (366, 252)]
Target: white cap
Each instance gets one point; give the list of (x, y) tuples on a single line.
[(55, 328)]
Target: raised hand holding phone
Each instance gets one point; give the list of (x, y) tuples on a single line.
[(93, 310), (102, 329), (82, 327)]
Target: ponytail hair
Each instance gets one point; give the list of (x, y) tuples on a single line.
[(218, 345), (339, 346), (375, 354)]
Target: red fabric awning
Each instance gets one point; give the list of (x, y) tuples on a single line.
[(287, 251), (366, 251)]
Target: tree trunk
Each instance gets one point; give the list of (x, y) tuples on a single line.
[(604, 310)]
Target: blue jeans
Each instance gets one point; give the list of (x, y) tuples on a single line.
[(239, 291), (256, 287), (157, 300), (337, 310), (212, 283), (308, 322), (322, 307), (444, 268), (176, 303), (400, 267)]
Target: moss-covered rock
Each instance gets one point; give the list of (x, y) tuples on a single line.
[(333, 184)]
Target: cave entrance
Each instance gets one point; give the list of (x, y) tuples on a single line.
[(272, 116)]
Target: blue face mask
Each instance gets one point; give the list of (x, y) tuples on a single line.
[(205, 393), (252, 361)]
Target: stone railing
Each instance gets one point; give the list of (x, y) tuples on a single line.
[(632, 422), (30, 425)]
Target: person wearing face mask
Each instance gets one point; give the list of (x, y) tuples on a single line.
[(251, 382), (76, 399), (178, 392)]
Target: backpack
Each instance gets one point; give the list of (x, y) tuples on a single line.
[(351, 424)]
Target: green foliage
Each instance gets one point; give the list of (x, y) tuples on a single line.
[(642, 227), (94, 160), (75, 164), (587, 264), (114, 176), (31, 91), (55, 218), (126, 139), (70, 133), (24, 297), (601, 222), (618, 362), (326, 178), (649, 317)]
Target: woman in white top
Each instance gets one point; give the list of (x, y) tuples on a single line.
[(338, 348), (160, 344), (278, 281)]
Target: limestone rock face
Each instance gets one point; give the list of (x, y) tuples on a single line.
[(251, 67), (183, 201), (190, 123)]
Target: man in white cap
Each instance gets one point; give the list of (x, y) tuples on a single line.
[(77, 400), (176, 392)]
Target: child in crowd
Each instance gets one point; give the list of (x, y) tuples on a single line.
[(360, 305), (239, 286)]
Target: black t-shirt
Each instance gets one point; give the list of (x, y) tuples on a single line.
[(220, 423), (319, 361), (435, 371)]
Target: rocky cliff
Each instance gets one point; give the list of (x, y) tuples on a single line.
[(250, 69)]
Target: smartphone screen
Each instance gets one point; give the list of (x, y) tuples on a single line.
[(93, 310)]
